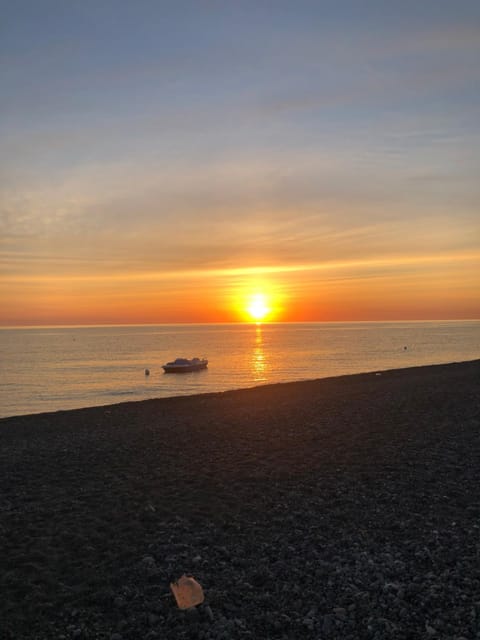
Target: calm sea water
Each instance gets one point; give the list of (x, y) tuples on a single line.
[(64, 368)]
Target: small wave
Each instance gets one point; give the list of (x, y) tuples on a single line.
[(119, 393)]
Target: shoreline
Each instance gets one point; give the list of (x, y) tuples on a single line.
[(343, 507), (234, 390)]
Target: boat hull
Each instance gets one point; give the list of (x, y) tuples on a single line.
[(185, 368)]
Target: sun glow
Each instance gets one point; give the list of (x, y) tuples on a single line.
[(258, 307)]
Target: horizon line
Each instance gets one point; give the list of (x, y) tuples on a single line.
[(252, 323)]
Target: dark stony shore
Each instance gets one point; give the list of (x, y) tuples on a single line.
[(340, 508)]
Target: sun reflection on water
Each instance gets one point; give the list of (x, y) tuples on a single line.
[(259, 364)]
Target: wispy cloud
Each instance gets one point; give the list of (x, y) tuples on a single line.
[(363, 266)]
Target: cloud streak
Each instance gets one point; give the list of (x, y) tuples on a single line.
[(386, 263)]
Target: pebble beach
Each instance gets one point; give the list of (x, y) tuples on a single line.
[(346, 507)]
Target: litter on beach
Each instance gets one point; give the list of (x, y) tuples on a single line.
[(187, 591)]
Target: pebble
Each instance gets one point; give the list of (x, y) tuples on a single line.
[(153, 619), (328, 624), (120, 602), (209, 612), (340, 612), (309, 623)]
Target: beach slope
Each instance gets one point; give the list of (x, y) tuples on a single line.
[(346, 507)]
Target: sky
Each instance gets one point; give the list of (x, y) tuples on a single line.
[(171, 161)]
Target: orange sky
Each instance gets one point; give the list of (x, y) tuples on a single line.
[(167, 163), (427, 287)]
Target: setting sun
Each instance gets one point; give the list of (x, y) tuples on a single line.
[(258, 307)]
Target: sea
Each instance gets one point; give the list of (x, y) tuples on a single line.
[(56, 368)]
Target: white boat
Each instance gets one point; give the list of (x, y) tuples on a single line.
[(183, 365)]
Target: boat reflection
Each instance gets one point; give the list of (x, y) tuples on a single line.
[(258, 361)]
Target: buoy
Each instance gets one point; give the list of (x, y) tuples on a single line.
[(147, 372)]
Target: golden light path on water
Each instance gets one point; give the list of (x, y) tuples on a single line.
[(259, 364)]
